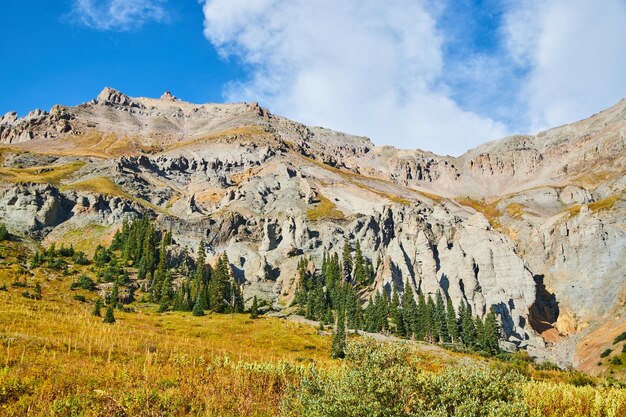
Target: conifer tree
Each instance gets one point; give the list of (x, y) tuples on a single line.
[(4, 233), (347, 261), (421, 320), (440, 318), (491, 331), (37, 293), (254, 310), (96, 308), (432, 330), (339, 337), (199, 280), (219, 286), (109, 317), (197, 307), (467, 327), (237, 298), (353, 308), (451, 321), (114, 297), (409, 311), (479, 344), (328, 317), (361, 277)]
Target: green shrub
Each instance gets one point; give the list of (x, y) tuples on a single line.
[(619, 337), (616, 361), (83, 282), (547, 366), (380, 380), (606, 353), (80, 258), (80, 298), (4, 233)]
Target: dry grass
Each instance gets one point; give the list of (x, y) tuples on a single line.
[(51, 174), (326, 209), (59, 360), (488, 209), (359, 179), (562, 400), (93, 143), (515, 210), (237, 132), (86, 238), (604, 204)]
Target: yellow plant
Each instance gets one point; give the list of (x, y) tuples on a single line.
[(326, 209), (52, 174)]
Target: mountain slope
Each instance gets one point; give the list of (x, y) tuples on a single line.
[(529, 225)]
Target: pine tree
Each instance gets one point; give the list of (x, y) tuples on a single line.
[(197, 307), (109, 317), (353, 309), (491, 331), (421, 320), (339, 337), (347, 261), (432, 330), (451, 321), (199, 279), (254, 310), (37, 293), (114, 297), (166, 288), (96, 308), (157, 290), (361, 277), (440, 318), (4, 233), (409, 311), (219, 286), (237, 298), (480, 334), (467, 326)]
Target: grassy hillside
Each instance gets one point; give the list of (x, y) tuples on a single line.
[(57, 359)]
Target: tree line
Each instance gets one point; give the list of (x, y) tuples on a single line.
[(332, 294)]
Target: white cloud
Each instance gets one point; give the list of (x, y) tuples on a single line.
[(364, 67), (118, 15), (574, 51)]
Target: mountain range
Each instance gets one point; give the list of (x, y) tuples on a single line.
[(531, 226)]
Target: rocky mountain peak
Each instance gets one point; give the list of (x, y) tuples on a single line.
[(111, 96), (167, 96)]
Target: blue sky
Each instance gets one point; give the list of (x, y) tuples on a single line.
[(58, 59), (443, 76)]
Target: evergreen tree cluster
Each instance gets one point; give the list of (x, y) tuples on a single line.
[(143, 246), (331, 296), (54, 258)]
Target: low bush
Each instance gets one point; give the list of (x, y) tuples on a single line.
[(83, 282), (380, 380)]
